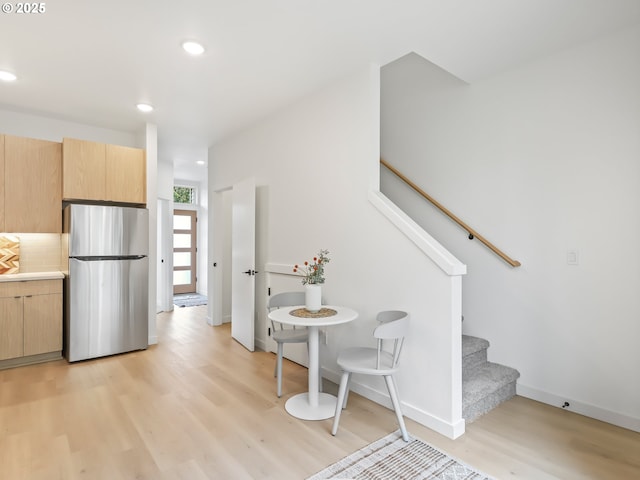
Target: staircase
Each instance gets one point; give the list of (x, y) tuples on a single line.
[(485, 385)]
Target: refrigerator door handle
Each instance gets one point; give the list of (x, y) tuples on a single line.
[(103, 258)]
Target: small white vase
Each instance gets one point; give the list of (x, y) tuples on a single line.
[(313, 297)]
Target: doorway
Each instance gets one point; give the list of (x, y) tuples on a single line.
[(184, 251)]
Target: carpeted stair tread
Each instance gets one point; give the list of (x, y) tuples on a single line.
[(485, 379), (486, 386)]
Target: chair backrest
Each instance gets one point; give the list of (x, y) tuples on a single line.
[(394, 325), (285, 299)]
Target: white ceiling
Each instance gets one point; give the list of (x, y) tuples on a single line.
[(92, 61)]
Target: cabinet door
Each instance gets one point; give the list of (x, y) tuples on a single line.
[(42, 324), (33, 192), (126, 174), (11, 328), (83, 170), (2, 229)]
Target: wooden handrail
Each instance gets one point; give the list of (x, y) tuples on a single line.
[(472, 233)]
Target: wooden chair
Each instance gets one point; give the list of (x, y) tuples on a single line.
[(375, 361), (282, 334)]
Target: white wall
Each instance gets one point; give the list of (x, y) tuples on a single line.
[(150, 139), (540, 160), (165, 235), (46, 128), (203, 234), (314, 163), (224, 261)]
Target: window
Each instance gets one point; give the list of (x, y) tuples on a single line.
[(184, 195)]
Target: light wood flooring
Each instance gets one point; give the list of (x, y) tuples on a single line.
[(199, 406)]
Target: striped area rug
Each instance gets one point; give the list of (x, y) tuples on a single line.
[(393, 458)]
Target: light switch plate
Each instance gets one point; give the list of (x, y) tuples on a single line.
[(573, 257)]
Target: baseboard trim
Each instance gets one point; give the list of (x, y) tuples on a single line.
[(614, 418), (30, 360), (260, 345), (449, 430), (153, 340)]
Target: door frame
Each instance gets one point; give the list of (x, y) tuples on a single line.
[(193, 249), (220, 255)]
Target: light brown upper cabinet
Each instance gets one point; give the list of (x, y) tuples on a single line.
[(83, 166), (126, 176), (100, 172), (32, 185)]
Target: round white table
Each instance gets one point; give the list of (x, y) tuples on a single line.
[(313, 405)]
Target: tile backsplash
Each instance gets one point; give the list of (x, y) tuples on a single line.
[(9, 254), (39, 252)]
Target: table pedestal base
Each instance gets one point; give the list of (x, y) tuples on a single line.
[(299, 407)]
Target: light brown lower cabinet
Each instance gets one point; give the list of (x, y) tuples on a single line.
[(42, 324), (30, 321), (11, 328)]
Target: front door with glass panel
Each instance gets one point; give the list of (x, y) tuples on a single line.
[(184, 251)]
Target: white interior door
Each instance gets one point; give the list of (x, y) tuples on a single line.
[(243, 252)]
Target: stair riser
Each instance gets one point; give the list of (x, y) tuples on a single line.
[(488, 403), (474, 360)]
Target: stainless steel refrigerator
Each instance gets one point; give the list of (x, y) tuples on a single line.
[(106, 289)]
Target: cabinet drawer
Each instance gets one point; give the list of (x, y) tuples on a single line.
[(30, 287)]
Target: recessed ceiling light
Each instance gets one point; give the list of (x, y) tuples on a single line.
[(7, 76), (200, 162), (145, 107), (193, 48)]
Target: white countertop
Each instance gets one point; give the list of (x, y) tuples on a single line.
[(20, 277)]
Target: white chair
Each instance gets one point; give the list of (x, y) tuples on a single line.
[(375, 361), (282, 334)]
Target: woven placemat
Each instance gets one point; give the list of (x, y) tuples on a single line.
[(304, 313)]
